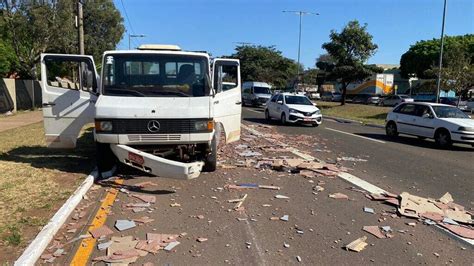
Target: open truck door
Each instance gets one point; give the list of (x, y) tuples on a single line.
[(227, 100), (69, 91)]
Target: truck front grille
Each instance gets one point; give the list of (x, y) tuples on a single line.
[(154, 137), (161, 126)]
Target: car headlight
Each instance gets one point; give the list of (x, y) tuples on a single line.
[(466, 129), (318, 112), (204, 125), (104, 126), (293, 111)]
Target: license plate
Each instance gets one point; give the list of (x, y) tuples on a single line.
[(307, 119), (138, 159)]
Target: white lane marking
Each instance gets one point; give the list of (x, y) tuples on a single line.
[(252, 110), (354, 135), (359, 182)]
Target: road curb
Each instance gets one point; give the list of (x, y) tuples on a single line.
[(39, 244), (352, 121)]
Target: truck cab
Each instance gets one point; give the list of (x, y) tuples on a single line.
[(159, 109)]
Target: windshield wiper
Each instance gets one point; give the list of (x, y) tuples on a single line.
[(121, 91)]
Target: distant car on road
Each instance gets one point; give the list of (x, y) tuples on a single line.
[(314, 95), (366, 99), (293, 108), (255, 93), (395, 100), (470, 105), (454, 102), (331, 96), (443, 123)]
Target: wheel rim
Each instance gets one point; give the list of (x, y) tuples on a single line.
[(442, 138), (391, 129)]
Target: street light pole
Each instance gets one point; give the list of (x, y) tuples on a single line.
[(438, 87), (300, 13), (134, 36)]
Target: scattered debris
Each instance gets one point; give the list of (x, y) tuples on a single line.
[(104, 246), (122, 225), (369, 210), (281, 197), (101, 231), (201, 239), (269, 187), (240, 202), (171, 245), (352, 159), (145, 198), (298, 258), (143, 220), (286, 245), (338, 196), (284, 218), (374, 230), (357, 245), (175, 204)]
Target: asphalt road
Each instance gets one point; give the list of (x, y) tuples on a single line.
[(402, 164), (318, 227)]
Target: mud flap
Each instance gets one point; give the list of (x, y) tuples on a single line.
[(156, 165)]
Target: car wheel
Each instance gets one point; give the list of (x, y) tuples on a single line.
[(267, 115), (443, 138), (283, 119), (391, 129)]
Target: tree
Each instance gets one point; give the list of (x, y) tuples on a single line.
[(265, 63), (424, 54), (35, 27), (457, 73), (350, 49)]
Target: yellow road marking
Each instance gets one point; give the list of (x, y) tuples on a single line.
[(87, 245)]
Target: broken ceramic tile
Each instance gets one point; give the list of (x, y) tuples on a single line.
[(122, 225)]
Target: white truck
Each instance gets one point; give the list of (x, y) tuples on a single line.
[(158, 109)]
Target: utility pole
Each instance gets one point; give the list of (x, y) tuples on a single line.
[(300, 13), (438, 87), (80, 26), (134, 36)]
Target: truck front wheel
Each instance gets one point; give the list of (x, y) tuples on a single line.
[(210, 163), (106, 159)]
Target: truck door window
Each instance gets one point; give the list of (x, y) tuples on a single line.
[(228, 75), (70, 74)]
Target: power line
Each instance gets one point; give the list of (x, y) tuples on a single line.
[(128, 19)]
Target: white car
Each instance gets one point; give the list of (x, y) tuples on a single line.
[(443, 123), (394, 100), (293, 108)]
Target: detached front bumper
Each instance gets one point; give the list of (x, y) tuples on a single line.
[(156, 165), (300, 118)]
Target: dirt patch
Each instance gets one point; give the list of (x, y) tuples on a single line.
[(34, 183)]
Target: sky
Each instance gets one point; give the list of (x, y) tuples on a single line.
[(217, 26)]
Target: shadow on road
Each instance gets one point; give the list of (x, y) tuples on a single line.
[(413, 141)]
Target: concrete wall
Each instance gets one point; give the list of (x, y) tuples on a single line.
[(22, 93)]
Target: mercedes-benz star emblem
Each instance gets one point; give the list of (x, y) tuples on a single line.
[(153, 126)]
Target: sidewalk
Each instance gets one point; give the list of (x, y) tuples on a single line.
[(20, 119)]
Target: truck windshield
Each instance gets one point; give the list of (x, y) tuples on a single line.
[(155, 75), (261, 90)]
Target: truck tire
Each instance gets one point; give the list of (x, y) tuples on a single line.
[(105, 159), (210, 163)]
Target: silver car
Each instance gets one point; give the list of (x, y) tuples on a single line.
[(395, 100)]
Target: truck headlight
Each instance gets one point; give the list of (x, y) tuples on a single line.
[(293, 111), (105, 126), (204, 125), (466, 129)]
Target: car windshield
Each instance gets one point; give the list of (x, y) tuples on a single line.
[(302, 100), (449, 112), (155, 75), (261, 90)]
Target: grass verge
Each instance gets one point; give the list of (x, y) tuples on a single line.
[(368, 114), (34, 182)]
